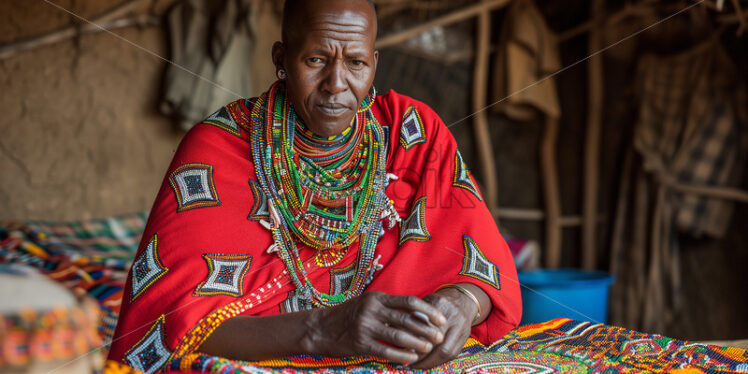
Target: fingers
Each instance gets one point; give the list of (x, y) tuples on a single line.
[(376, 328), (456, 333), (414, 304), (413, 324), (393, 354), (403, 339), (444, 352)]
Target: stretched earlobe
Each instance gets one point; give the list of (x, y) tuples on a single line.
[(368, 100), (281, 74)]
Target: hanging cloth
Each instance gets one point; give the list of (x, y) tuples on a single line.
[(212, 49), (687, 133), (528, 52)]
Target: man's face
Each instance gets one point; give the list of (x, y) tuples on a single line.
[(330, 62)]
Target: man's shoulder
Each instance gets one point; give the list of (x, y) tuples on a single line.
[(401, 110), (395, 101), (225, 130)]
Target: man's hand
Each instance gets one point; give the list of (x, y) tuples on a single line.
[(377, 324), (460, 311)]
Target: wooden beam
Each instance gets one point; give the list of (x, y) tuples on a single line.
[(480, 121), (726, 193), (551, 196), (592, 139), (456, 16), (525, 214), (627, 11), (18, 46), (741, 18)]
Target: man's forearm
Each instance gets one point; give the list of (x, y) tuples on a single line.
[(257, 338), (374, 323)]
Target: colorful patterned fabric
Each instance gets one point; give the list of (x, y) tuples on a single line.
[(223, 261), (113, 238), (90, 257), (42, 336), (557, 346)]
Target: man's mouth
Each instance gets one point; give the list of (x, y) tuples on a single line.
[(332, 109)]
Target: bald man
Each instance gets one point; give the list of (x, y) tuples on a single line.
[(425, 272)]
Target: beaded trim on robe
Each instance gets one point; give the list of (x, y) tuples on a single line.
[(225, 275), (414, 227), (476, 265), (259, 203), (194, 186), (146, 269), (412, 131), (462, 177), (150, 353), (223, 119)]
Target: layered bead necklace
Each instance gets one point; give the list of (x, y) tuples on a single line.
[(323, 192)]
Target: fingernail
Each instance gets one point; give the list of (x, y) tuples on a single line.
[(423, 317)]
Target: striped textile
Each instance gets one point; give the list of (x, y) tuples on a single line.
[(558, 346), (90, 257), (114, 237)]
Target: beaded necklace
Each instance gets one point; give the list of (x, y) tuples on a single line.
[(323, 192)]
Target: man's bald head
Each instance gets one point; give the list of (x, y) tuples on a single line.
[(294, 12), (327, 60)]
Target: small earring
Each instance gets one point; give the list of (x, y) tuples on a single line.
[(281, 74)]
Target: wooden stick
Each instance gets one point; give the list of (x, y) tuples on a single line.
[(726, 193), (551, 194), (480, 123), (592, 140), (619, 232), (456, 16), (628, 10), (641, 9), (741, 18), (525, 214), (15, 47)]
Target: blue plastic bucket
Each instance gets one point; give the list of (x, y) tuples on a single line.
[(569, 293)]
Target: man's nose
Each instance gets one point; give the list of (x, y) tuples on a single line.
[(335, 80)]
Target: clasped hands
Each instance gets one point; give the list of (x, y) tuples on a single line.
[(393, 327)]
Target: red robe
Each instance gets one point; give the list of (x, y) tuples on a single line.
[(203, 255)]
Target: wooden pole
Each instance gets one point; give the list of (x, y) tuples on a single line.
[(726, 193), (741, 18), (551, 194), (456, 16), (480, 92), (525, 214), (15, 47), (592, 140)]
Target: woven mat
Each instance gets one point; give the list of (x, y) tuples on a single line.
[(89, 257), (93, 257), (556, 346)]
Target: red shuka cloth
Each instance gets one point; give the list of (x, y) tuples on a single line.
[(203, 258)]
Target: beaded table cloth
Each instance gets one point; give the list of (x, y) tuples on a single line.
[(556, 346)]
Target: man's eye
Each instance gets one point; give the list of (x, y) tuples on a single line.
[(314, 60), (357, 62)]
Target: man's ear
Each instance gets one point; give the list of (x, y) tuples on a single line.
[(279, 55), (376, 59)]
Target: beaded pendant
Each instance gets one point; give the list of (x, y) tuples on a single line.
[(323, 192)]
